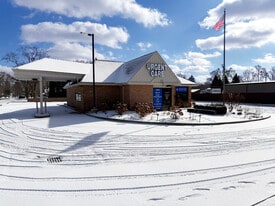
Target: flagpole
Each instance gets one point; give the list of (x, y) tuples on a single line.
[(224, 27)]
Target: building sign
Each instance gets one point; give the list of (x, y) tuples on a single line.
[(156, 69), (181, 89), (157, 98)]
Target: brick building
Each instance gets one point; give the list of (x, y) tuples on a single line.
[(146, 79)]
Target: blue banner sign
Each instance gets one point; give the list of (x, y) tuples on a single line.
[(157, 98), (181, 89)]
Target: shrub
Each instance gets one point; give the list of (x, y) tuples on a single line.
[(121, 108), (143, 109)]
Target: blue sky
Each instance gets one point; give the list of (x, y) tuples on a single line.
[(181, 31)]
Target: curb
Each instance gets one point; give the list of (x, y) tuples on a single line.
[(176, 123)]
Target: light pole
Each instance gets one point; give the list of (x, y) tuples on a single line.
[(93, 61)]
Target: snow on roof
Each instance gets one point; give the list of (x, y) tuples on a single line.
[(55, 65), (186, 82), (103, 69), (250, 83), (127, 70)]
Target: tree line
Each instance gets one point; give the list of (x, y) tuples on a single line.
[(254, 74)]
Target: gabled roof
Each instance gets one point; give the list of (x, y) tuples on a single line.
[(127, 70), (134, 72)]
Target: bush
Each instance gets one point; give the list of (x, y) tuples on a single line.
[(144, 108), (121, 108), (107, 105)]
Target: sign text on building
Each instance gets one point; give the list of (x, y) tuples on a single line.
[(156, 69)]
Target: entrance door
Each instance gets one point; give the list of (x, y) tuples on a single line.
[(162, 98), (166, 98)]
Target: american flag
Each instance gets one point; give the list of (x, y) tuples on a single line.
[(219, 23)]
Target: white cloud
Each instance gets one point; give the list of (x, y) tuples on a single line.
[(240, 68), (60, 32), (255, 33), (67, 41), (239, 11), (165, 56), (95, 9), (201, 78), (144, 45), (183, 62), (249, 23), (268, 59), (73, 51), (194, 63), (176, 69), (202, 55)]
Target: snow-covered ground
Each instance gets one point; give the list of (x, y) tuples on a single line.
[(76, 159)]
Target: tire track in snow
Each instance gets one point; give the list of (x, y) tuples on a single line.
[(143, 187), (163, 174)]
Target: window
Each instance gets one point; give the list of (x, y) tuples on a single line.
[(78, 97)]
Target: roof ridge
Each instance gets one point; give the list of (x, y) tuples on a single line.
[(107, 60), (149, 54)]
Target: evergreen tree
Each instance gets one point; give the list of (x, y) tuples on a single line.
[(217, 82), (192, 78), (236, 79), (226, 79)]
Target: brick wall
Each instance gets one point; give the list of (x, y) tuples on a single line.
[(71, 97), (111, 94), (137, 93), (108, 94), (104, 94)]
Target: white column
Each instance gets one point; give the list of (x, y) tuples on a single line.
[(42, 111), (41, 94)]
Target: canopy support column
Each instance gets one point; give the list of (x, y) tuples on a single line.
[(42, 111)]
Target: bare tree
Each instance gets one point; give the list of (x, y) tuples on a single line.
[(272, 73), (13, 58), (261, 74), (230, 73), (247, 76), (24, 55), (216, 72)]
